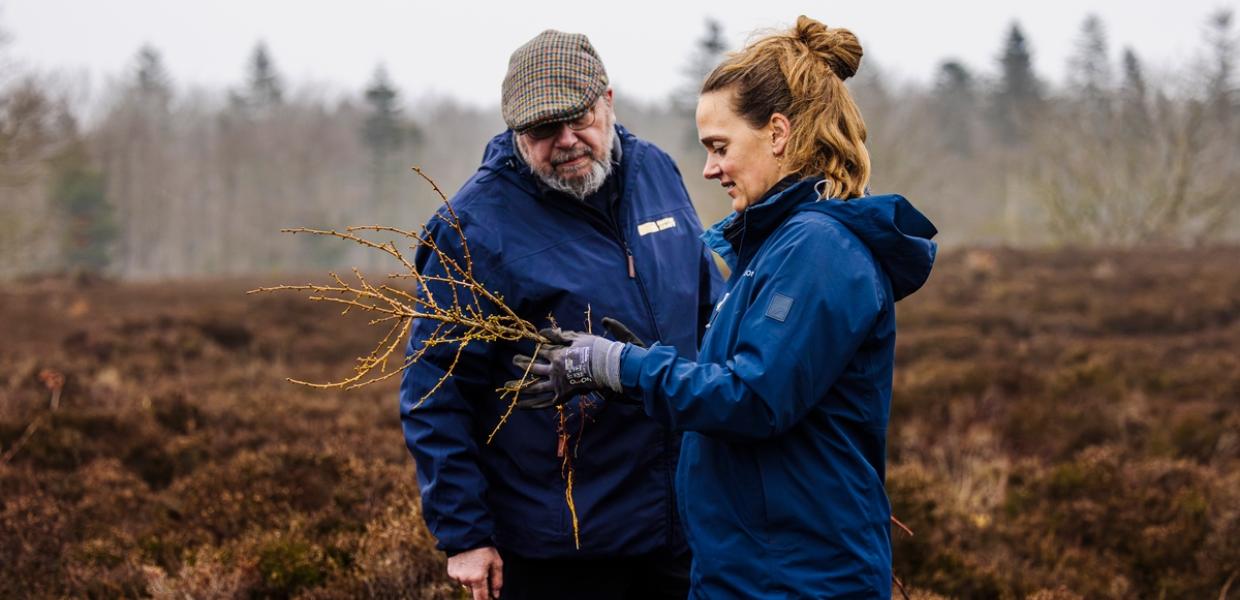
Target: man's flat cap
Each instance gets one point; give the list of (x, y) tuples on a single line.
[(554, 77)]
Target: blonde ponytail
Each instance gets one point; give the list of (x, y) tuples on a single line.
[(800, 73)]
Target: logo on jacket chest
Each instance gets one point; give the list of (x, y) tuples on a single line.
[(741, 286), (650, 227)]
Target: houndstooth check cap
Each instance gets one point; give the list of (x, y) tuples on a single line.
[(556, 76)]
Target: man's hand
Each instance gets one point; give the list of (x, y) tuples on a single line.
[(480, 570)]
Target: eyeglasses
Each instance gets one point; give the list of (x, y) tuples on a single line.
[(550, 130)]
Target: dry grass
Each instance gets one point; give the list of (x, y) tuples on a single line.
[(1065, 426)]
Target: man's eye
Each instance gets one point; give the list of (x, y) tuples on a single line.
[(543, 132)]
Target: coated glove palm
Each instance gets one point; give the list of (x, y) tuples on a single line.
[(573, 363)]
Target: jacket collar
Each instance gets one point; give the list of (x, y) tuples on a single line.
[(739, 235)]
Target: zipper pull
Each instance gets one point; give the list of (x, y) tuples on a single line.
[(632, 267)]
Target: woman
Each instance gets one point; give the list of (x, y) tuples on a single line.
[(784, 414)]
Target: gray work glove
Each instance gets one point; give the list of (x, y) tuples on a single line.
[(573, 363)]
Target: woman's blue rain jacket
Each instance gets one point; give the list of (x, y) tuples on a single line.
[(781, 477)]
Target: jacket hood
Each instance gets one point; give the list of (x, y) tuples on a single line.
[(498, 149), (898, 235)]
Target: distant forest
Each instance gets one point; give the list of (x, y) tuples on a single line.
[(175, 182)]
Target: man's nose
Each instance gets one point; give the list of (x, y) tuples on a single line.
[(565, 138)]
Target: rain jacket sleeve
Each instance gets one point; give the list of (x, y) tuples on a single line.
[(800, 328), (439, 429)]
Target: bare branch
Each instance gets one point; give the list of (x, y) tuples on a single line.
[(461, 322)]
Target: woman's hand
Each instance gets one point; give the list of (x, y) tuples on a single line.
[(574, 362)]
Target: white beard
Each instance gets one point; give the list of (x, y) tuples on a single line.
[(581, 186)]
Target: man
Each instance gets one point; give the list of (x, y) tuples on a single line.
[(568, 216)]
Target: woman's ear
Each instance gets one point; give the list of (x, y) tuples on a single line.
[(781, 129)]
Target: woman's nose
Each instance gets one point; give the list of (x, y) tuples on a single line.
[(711, 170)]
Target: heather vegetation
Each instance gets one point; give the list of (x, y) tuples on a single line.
[(180, 461), (1066, 417), (1064, 426)]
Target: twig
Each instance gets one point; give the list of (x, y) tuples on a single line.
[(466, 320), (516, 394), (902, 525), (54, 381), (459, 320), (25, 437), (900, 585)]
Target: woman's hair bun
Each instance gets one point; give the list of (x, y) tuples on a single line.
[(838, 47)]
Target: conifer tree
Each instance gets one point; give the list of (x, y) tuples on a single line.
[(384, 134), (707, 53), (1133, 95), (1019, 93), (1089, 67), (152, 77), (1220, 73), (264, 86), (79, 195), (955, 105)]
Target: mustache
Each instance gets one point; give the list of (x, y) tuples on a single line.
[(560, 157)]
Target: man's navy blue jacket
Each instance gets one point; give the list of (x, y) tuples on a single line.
[(785, 411), (548, 254)]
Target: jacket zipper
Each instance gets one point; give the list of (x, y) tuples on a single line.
[(617, 234), (641, 287), (668, 474), (612, 226), (669, 483)]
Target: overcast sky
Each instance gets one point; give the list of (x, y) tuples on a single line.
[(460, 48)]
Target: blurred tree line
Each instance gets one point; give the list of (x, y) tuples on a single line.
[(171, 182)]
